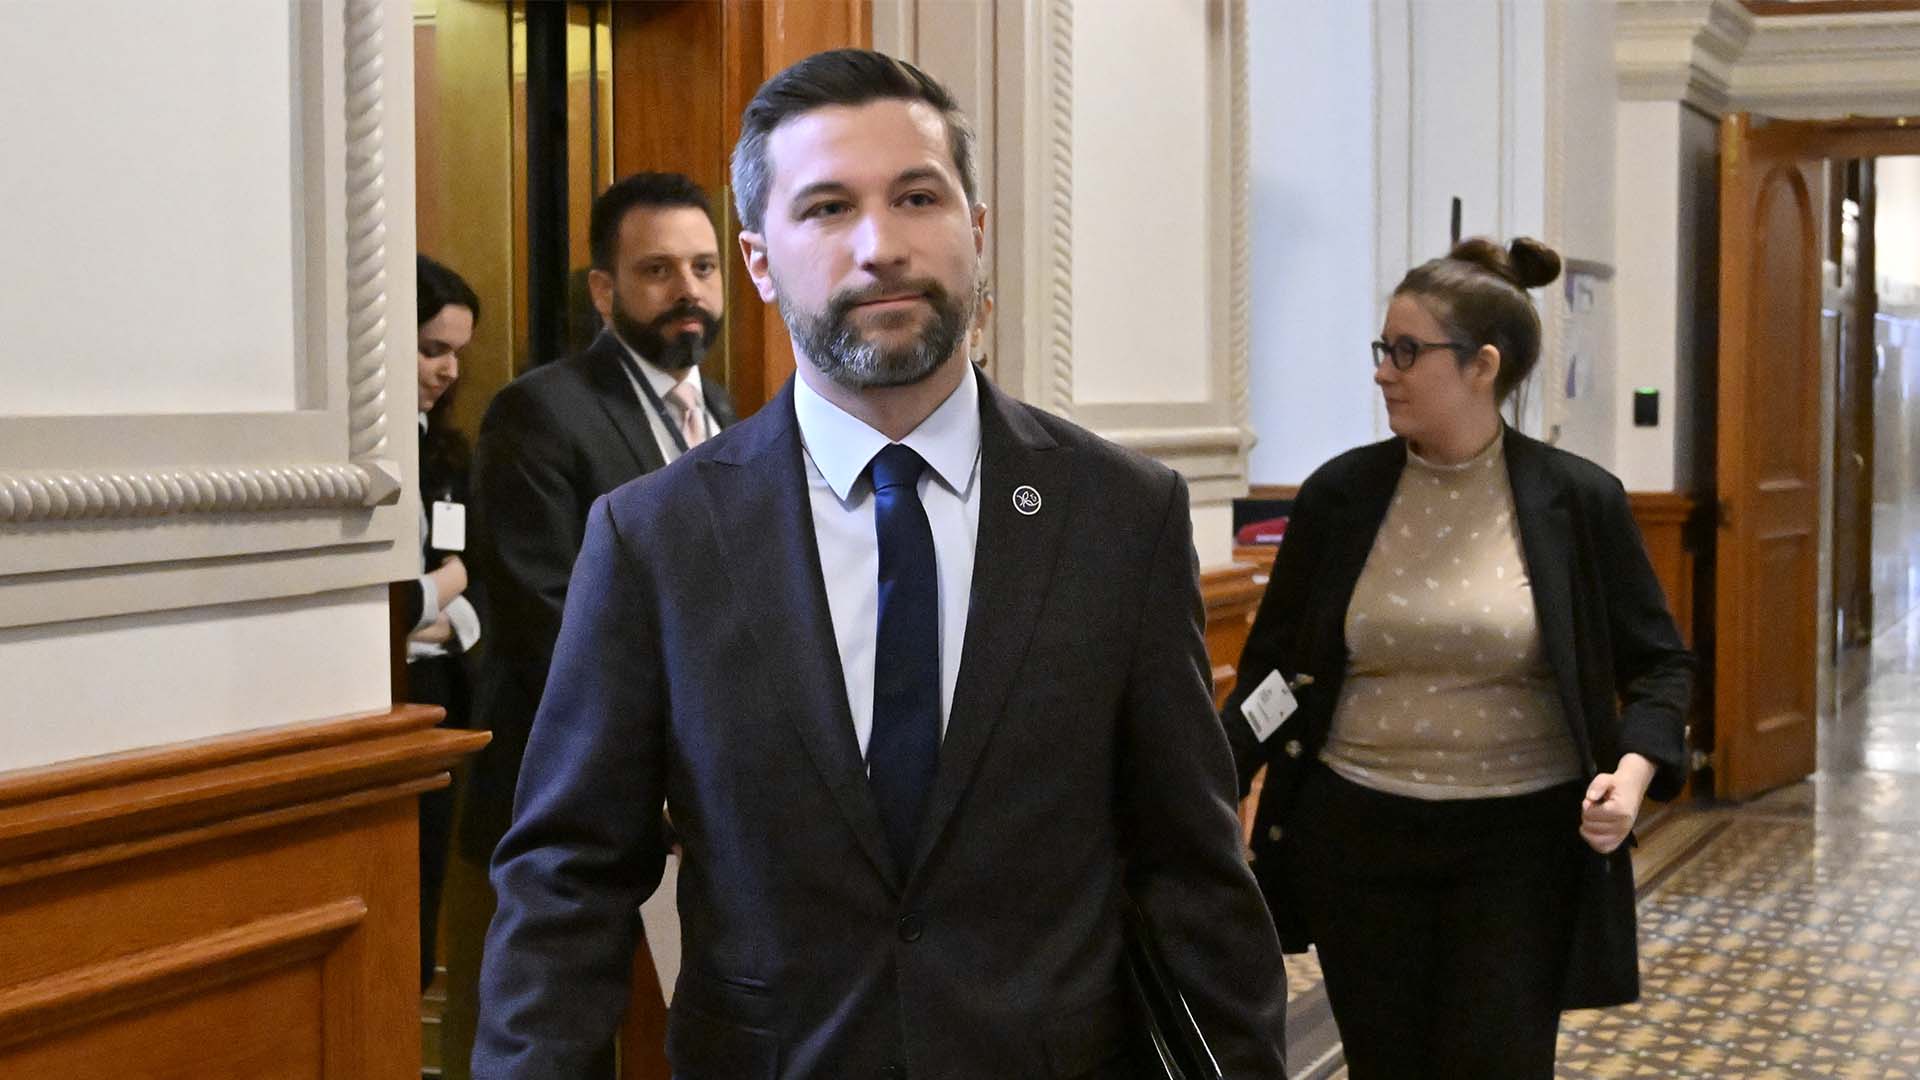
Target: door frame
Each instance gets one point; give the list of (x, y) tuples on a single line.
[(1822, 141)]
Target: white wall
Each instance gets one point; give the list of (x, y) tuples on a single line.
[(1578, 389), (1368, 120), (1140, 151), (1648, 141), (145, 311), (1312, 177), (1897, 224), (81, 242), (98, 686)]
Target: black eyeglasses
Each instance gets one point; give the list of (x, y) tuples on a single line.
[(1405, 351)]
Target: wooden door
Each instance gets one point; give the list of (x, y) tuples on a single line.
[(761, 37), (1766, 584)]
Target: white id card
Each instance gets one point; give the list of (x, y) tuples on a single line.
[(1269, 706), (449, 527)]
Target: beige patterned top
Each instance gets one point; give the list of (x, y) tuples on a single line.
[(1447, 694)]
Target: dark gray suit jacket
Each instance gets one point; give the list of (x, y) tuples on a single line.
[(1082, 757), (553, 441)]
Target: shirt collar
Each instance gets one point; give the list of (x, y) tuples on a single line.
[(841, 445), (659, 378)]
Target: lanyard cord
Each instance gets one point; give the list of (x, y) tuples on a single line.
[(653, 398)]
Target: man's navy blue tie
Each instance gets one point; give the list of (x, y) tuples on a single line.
[(904, 749)]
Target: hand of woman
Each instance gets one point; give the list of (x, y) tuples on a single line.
[(450, 578), (1613, 802), (438, 632)]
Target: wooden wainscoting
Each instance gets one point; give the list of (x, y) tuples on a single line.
[(1664, 517), (1232, 595), (242, 907)]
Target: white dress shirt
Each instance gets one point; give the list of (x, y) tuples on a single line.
[(838, 448), (663, 383)]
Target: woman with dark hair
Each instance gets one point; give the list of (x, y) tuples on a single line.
[(1463, 680), (445, 623)]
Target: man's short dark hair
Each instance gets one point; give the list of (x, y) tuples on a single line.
[(838, 77), (646, 190)]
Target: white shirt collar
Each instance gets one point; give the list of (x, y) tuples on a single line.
[(841, 445), (659, 378)]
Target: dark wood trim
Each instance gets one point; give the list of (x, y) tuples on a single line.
[(177, 759), (142, 980), (262, 886), (1231, 595), (1661, 507), (117, 807), (1273, 491)]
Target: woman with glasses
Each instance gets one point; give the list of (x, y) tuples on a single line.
[(1463, 680)]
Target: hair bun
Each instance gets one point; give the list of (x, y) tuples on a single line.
[(1534, 263), (1526, 263)]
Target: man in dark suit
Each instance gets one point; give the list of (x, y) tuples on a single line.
[(552, 442), (917, 670)]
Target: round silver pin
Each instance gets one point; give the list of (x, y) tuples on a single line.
[(1026, 500)]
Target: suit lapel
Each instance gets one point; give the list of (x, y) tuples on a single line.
[(1546, 538), (756, 485), (1014, 556), (604, 365)]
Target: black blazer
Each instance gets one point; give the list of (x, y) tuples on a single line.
[(553, 441), (1082, 757), (443, 477), (1623, 675)]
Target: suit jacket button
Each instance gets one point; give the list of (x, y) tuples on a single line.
[(911, 927), (1274, 833), (1292, 748)]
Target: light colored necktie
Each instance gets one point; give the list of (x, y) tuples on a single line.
[(693, 422)]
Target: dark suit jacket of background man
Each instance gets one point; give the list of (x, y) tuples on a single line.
[(698, 664), (552, 441)]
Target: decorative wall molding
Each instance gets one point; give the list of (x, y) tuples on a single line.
[(1239, 331), (283, 501), (1718, 56), (367, 251), (1057, 280), (1679, 50), (369, 477), (1831, 65), (70, 496), (1206, 436)]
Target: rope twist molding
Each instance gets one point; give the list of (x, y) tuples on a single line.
[(366, 233), (1059, 88), (369, 477), (73, 496)]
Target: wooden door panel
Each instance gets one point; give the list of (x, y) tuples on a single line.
[(1769, 457)]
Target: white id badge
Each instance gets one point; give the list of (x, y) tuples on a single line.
[(1269, 706), (449, 527)]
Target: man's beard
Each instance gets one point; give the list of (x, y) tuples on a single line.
[(836, 346), (649, 339)]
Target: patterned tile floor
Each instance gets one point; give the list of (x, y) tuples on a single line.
[(1780, 938)]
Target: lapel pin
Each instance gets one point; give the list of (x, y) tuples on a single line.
[(1026, 500)]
